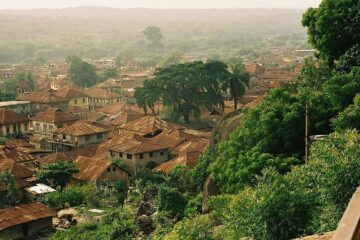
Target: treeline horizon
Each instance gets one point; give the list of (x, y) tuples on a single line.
[(97, 32)]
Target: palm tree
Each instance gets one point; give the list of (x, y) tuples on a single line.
[(237, 82)]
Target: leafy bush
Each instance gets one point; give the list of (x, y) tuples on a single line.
[(172, 201)]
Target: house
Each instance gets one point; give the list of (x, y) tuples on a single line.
[(20, 107), (59, 82), (7, 73), (24, 221), (187, 154), (187, 159), (137, 151), (20, 173), (105, 63), (255, 69), (45, 123), (77, 98), (12, 123), (55, 157), (113, 109), (17, 156), (78, 135), (148, 125), (37, 192), (122, 118), (40, 101), (111, 85), (23, 87), (99, 97), (102, 173)]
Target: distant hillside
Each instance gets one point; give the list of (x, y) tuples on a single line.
[(100, 32)]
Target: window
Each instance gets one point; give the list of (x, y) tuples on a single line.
[(151, 154), (109, 169), (162, 153), (99, 136), (37, 126), (64, 137), (75, 101), (84, 100), (26, 127), (113, 169), (141, 155), (120, 154), (128, 156), (87, 137), (7, 129)]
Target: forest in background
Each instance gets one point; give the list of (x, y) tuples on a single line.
[(94, 32)]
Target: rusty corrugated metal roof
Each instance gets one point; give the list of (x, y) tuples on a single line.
[(81, 128), (9, 117), (54, 115), (24, 213)]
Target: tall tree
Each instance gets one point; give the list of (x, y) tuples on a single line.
[(27, 78), (109, 73), (153, 34), (7, 179), (184, 88), (58, 173), (237, 82), (82, 73), (148, 95), (333, 27)]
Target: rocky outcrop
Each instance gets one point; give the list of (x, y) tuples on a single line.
[(210, 189)]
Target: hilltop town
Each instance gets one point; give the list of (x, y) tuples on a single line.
[(214, 141)]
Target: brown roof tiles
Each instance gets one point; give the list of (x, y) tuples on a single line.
[(81, 128), (16, 169), (42, 97), (134, 143), (54, 115), (90, 169), (9, 117), (100, 93), (24, 213), (149, 124), (70, 92)]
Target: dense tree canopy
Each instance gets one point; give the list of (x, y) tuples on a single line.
[(82, 73), (185, 88), (237, 82), (58, 173), (333, 27)]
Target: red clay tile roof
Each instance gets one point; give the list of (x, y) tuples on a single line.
[(54, 115), (134, 143), (24, 213), (42, 97), (16, 169), (10, 117), (90, 169), (100, 93), (149, 124), (70, 92), (15, 155), (81, 128)]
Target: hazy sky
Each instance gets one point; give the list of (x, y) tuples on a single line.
[(29, 4)]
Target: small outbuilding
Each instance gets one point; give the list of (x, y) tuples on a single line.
[(24, 221)]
